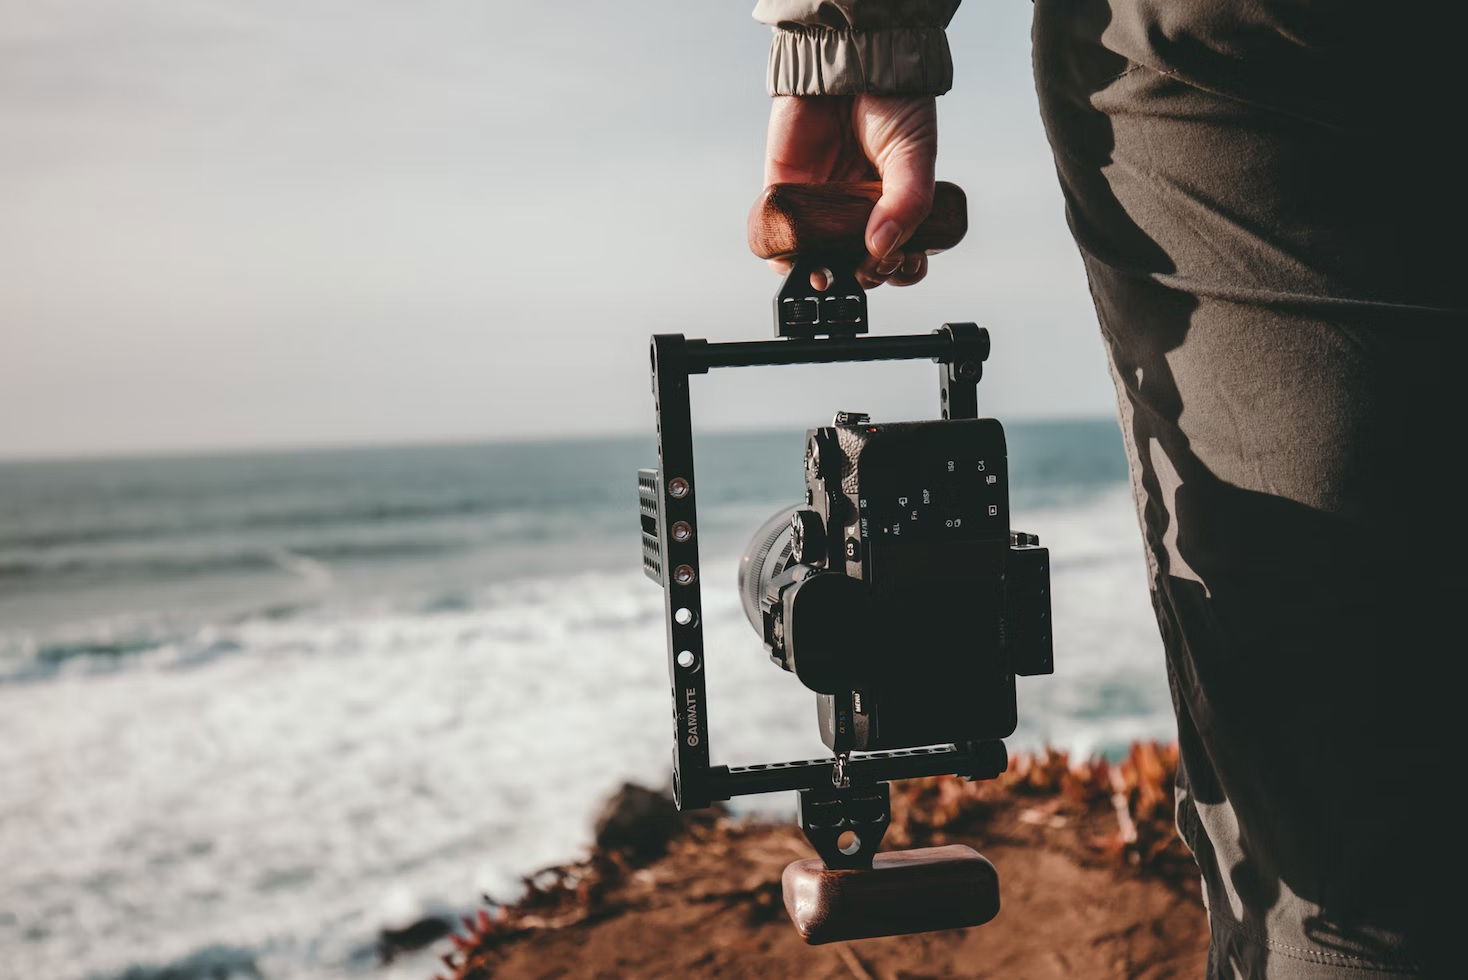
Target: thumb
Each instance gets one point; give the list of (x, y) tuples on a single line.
[(907, 197)]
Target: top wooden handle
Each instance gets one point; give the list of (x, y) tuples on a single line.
[(792, 218)]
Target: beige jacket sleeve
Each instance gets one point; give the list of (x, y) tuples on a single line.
[(846, 47)]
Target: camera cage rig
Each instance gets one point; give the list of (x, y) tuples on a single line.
[(840, 794)]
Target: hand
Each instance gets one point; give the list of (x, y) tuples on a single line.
[(815, 139)]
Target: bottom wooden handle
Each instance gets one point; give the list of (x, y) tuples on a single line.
[(921, 890)]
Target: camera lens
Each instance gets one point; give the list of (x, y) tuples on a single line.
[(767, 555), (827, 636)]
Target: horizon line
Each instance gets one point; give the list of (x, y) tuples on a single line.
[(444, 442)]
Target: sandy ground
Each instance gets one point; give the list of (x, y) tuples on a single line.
[(1085, 893)]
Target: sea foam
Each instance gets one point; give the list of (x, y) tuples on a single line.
[(272, 784)]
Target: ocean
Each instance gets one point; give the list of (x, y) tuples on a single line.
[(254, 708)]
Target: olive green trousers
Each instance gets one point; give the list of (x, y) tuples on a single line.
[(1270, 204)]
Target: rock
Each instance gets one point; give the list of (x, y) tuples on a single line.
[(638, 822), (416, 935)]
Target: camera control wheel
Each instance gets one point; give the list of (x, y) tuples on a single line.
[(807, 537)]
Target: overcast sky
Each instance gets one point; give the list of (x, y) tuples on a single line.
[(228, 225)]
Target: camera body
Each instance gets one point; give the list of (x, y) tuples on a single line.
[(898, 592)]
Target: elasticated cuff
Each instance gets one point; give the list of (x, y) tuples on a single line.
[(898, 61)]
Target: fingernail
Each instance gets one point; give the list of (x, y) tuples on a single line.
[(884, 239)]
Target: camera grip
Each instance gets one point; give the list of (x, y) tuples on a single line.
[(928, 888), (789, 219)]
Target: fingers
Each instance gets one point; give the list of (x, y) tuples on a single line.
[(900, 269), (905, 202), (813, 139), (900, 136), (873, 272), (907, 197), (912, 270)]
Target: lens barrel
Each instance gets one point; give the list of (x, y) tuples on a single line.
[(767, 555)]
